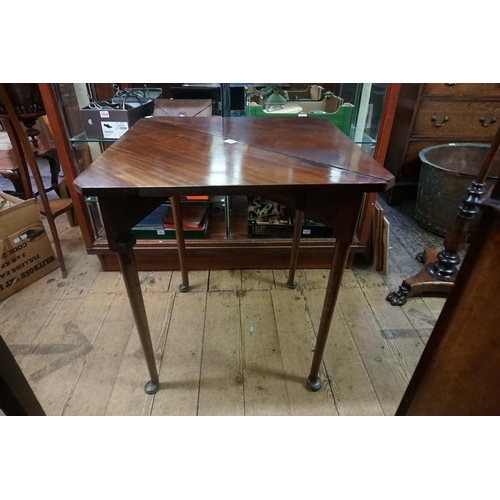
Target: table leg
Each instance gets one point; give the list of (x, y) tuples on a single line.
[(340, 256), (133, 287), (227, 216), (297, 232), (181, 245)]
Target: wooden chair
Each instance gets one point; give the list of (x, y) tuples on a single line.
[(49, 208), (13, 165), (10, 170)]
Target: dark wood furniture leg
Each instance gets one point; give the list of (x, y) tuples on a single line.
[(133, 287), (440, 269), (181, 245), (55, 167), (340, 256), (457, 374), (297, 232), (119, 216), (346, 228), (15, 178), (16, 396)]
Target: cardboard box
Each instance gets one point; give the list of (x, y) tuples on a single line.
[(113, 123), (26, 254)]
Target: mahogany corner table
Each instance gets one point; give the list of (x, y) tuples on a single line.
[(306, 164)]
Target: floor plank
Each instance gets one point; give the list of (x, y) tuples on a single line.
[(198, 281), (281, 278), (352, 388), (240, 342), (105, 282), (316, 278), (395, 326), (181, 362), (297, 339), (96, 382), (386, 373), (225, 279), (221, 385), (157, 281), (257, 279), (66, 342), (128, 396), (265, 388), (26, 333)]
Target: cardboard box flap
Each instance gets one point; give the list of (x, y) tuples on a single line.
[(22, 214), (18, 216), (183, 107), (6, 198)]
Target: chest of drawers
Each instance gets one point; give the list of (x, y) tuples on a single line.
[(429, 114)]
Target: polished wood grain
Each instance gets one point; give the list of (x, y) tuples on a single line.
[(190, 155)]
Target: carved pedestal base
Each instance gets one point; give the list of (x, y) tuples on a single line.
[(422, 282)]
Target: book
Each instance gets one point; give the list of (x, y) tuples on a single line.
[(155, 218), (193, 216)]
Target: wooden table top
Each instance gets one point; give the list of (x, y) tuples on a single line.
[(163, 156)]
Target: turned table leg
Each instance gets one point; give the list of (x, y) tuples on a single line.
[(344, 220), (133, 287), (181, 245), (332, 291), (297, 231)]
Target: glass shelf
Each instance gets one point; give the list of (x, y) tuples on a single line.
[(355, 132), (360, 137), (82, 137)]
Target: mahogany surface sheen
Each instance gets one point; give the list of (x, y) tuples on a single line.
[(164, 156)]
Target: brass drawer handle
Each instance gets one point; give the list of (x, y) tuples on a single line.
[(436, 124), (483, 123)]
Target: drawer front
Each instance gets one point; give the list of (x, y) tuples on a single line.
[(478, 90), (457, 119)]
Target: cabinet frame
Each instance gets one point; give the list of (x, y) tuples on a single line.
[(219, 253)]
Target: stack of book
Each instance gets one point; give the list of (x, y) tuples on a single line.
[(159, 224)]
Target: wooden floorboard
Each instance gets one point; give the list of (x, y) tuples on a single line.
[(95, 385), (297, 338), (265, 388), (180, 367), (240, 342), (221, 383), (352, 388)]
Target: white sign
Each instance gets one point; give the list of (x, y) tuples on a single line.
[(113, 130)]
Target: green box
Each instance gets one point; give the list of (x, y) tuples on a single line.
[(328, 107)]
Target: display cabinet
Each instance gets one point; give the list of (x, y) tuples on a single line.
[(227, 244)]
